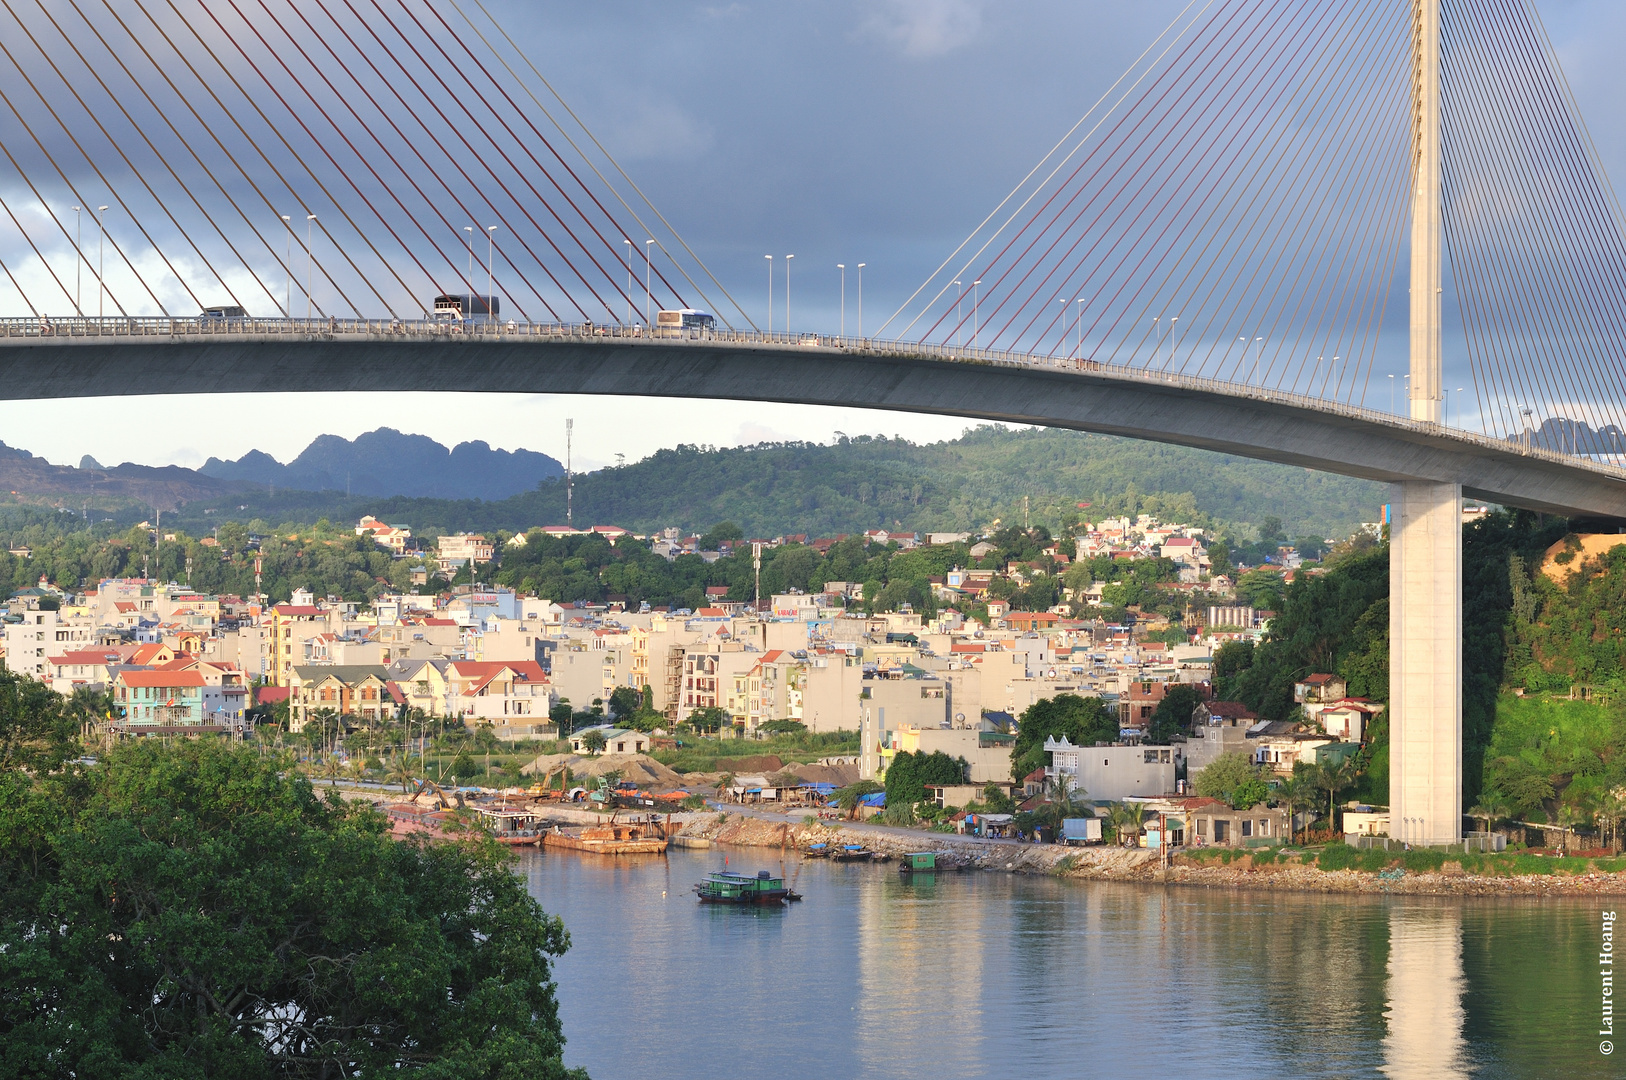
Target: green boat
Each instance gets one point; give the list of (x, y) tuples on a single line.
[(918, 862), (726, 887)]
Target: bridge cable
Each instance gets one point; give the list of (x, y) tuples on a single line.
[(1040, 187), (590, 164)]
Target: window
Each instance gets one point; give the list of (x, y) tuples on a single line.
[(1264, 826), (1222, 831), (1202, 826), (1247, 827)]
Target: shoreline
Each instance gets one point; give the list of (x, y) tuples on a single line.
[(1138, 865)]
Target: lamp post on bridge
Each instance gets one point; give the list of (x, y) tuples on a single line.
[(309, 274), (975, 285), (860, 300), (958, 292), (491, 251), (79, 264), (628, 242), (288, 270), (843, 268), (770, 294), (101, 291), (468, 276), (649, 294), (1079, 352), (788, 258)]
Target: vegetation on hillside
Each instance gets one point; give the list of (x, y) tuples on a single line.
[(989, 474)]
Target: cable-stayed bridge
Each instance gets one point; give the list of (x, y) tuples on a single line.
[(1276, 201)]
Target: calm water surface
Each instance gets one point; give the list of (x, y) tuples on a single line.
[(982, 975)]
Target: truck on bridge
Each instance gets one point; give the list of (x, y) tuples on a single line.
[(464, 307)]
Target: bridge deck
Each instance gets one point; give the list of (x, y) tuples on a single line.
[(111, 357)]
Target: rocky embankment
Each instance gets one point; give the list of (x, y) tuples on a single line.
[(1139, 865)]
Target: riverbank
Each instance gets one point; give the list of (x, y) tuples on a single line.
[(1279, 872)]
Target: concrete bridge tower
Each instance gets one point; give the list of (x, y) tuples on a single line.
[(1425, 568)]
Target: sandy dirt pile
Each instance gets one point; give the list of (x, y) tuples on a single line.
[(641, 769)]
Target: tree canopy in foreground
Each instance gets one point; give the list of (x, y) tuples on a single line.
[(190, 911)]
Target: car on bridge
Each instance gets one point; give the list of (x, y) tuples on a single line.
[(222, 313)]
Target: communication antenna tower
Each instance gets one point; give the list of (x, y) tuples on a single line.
[(570, 478)]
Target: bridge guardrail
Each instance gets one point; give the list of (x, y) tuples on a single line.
[(17, 330)]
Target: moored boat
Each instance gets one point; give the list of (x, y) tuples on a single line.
[(516, 827), (816, 851), (852, 853), (727, 887), (613, 838)]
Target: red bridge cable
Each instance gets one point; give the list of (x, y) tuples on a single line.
[(1143, 111), (1261, 199), (1549, 304), (209, 129), (183, 140), (1194, 161), (118, 147), (1233, 144), (503, 154), (520, 82), (77, 145), (319, 144), (1169, 76), (433, 172), (457, 166), (344, 100), (1194, 260), (520, 113)]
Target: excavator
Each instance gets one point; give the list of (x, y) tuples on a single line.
[(427, 784)]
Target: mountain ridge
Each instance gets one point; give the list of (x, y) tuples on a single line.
[(387, 462)]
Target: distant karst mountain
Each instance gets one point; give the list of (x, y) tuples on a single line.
[(388, 462)]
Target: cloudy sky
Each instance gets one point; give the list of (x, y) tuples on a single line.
[(837, 130)]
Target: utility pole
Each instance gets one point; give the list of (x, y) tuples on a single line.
[(570, 426), (756, 565)]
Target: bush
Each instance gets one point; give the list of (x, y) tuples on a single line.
[(1338, 856)]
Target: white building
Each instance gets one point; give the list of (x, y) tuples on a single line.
[(1114, 773)]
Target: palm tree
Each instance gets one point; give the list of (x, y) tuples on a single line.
[(1126, 819), (402, 773), (1295, 793), (1064, 794), (1334, 778), (1611, 811), (1493, 806)]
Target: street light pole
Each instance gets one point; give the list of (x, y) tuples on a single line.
[(1172, 321), (309, 273), (843, 268), (1391, 393), (1080, 353), (79, 264), (770, 294), (491, 281), (860, 300), (468, 276), (628, 242), (974, 325), (288, 270), (958, 291), (101, 235), (788, 258), (649, 295)]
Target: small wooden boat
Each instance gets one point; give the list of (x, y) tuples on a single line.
[(727, 887), (816, 851), (851, 853), (613, 838)]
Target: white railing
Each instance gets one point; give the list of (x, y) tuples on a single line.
[(122, 329)]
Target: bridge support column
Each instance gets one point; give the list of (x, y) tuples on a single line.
[(1425, 662)]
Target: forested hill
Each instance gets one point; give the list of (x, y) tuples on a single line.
[(867, 483)]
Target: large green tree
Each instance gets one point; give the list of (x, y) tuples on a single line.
[(195, 911), (1083, 721)]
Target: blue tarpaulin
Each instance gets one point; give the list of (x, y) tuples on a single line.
[(821, 787), (877, 799)]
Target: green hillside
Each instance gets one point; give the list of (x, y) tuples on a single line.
[(868, 483)]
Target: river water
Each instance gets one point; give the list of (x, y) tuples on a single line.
[(991, 975)]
